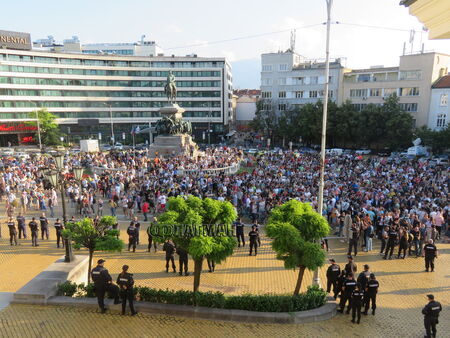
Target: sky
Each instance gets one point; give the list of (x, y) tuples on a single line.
[(182, 23)]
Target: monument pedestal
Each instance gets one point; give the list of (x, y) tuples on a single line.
[(172, 145)]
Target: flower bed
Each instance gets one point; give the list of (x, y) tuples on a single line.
[(311, 299)]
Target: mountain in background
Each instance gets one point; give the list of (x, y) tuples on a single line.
[(246, 73)]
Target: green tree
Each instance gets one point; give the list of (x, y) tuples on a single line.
[(309, 122), (50, 133), (398, 129), (438, 140), (265, 120), (296, 229), (202, 227), (100, 237)]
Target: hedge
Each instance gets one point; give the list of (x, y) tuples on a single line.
[(313, 298)]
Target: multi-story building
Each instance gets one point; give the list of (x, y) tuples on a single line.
[(289, 80), (411, 81), (245, 105), (439, 116), (89, 93)]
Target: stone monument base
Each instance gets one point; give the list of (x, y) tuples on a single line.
[(173, 145)]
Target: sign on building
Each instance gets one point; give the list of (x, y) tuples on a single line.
[(15, 40)]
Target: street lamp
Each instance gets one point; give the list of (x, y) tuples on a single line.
[(111, 121), (38, 124)]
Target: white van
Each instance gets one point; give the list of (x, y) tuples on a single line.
[(335, 151)]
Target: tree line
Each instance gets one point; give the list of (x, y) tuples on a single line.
[(375, 126)]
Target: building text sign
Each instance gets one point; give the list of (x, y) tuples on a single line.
[(15, 40)]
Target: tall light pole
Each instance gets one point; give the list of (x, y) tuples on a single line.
[(111, 121), (38, 124), (316, 278)]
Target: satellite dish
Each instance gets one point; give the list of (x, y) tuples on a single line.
[(417, 141)]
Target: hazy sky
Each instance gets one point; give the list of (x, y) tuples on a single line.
[(177, 23)]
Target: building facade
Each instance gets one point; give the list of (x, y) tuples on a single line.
[(439, 116), (246, 100), (288, 80), (411, 81), (90, 92)]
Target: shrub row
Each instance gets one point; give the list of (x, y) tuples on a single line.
[(313, 298)]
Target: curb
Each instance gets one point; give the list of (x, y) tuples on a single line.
[(325, 312)]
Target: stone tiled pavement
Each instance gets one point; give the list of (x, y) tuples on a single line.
[(404, 285)]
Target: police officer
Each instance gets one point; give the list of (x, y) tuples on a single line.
[(363, 277), (34, 228), (150, 235), (356, 303), (22, 226), (350, 267), (346, 295), (137, 225), (371, 294), (12, 231), (430, 254), (169, 248), (431, 313), (253, 236), (333, 273), (132, 236), (240, 232), (103, 283), (392, 238), (125, 281), (59, 228), (340, 283), (44, 226), (183, 261)]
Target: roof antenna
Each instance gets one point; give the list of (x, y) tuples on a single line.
[(293, 35)]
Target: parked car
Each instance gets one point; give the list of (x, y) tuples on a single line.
[(118, 146), (442, 161), (7, 151), (22, 155)]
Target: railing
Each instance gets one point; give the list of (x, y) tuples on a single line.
[(233, 169)]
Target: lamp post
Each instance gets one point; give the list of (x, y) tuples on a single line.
[(111, 121), (38, 124), (316, 278), (57, 180)]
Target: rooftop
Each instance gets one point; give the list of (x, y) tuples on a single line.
[(443, 82), (249, 92)]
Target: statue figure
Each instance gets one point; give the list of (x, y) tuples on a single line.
[(171, 88)]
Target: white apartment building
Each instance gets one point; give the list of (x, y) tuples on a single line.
[(439, 116), (289, 80), (245, 105), (411, 81)]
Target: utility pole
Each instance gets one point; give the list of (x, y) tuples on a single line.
[(316, 278)]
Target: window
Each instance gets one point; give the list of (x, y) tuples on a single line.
[(411, 75), (412, 91), (282, 81), (298, 80), (299, 94), (444, 100), (409, 107), (330, 94), (314, 80), (266, 95), (267, 82), (440, 122), (363, 78), (389, 91), (375, 92), (358, 92), (282, 106), (283, 67), (267, 106), (313, 93), (282, 95), (359, 106), (330, 79), (266, 68)]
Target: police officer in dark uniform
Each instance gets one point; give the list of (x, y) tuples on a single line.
[(44, 226), (132, 236), (125, 281), (240, 232), (346, 295), (431, 313), (150, 235), (363, 277), (12, 231), (356, 303), (333, 273), (371, 294), (169, 248), (22, 226), (183, 261), (392, 238), (34, 228), (103, 283), (340, 283), (137, 225), (430, 254), (350, 267), (253, 235), (59, 228)]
